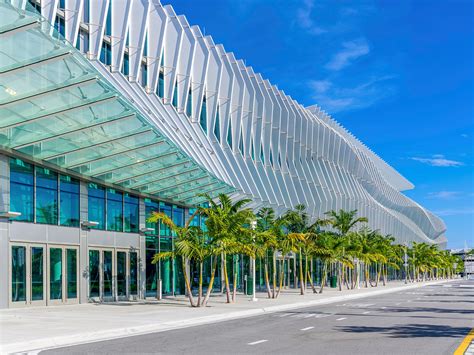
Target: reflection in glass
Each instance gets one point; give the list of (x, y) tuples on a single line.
[(55, 273), (121, 273), (133, 273), (114, 210), (18, 274), (21, 189), (151, 273), (107, 255), (150, 207), (69, 201), (71, 264), (37, 274), (96, 203), (46, 196), (94, 273), (130, 213)]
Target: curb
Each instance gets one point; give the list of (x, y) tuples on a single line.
[(36, 346)]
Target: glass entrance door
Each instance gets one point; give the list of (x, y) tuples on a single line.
[(113, 275), (62, 274), (41, 274)]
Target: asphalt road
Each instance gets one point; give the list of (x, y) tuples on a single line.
[(427, 320)]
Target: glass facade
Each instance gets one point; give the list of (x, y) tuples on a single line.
[(69, 201), (37, 273), (71, 274), (114, 210), (130, 208), (22, 189), (96, 204), (46, 196), (133, 273), (121, 273), (94, 273)]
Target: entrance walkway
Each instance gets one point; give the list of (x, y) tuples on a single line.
[(29, 329)]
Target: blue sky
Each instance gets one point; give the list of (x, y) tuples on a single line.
[(398, 74)]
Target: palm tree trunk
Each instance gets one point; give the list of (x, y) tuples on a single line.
[(211, 281), (226, 279), (234, 292), (324, 276), (274, 273), (188, 285), (366, 270), (301, 273), (267, 281), (305, 270), (200, 285), (339, 275), (311, 282), (282, 275)]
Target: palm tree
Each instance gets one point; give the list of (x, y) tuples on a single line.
[(225, 222), (270, 234), (301, 234), (343, 222), (188, 245)]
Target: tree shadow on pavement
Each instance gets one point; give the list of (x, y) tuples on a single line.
[(411, 331), (429, 310)]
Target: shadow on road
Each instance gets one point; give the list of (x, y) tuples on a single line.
[(430, 310), (411, 331)]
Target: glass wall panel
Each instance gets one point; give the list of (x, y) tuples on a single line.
[(94, 273), (165, 208), (130, 213), (178, 216), (71, 272), (21, 189), (114, 210), (150, 207), (151, 272), (55, 273), (166, 266), (133, 273), (46, 196), (37, 273), (18, 274), (107, 273), (121, 273), (96, 203), (69, 201)]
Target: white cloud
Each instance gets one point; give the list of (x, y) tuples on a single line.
[(438, 160), (351, 51), (305, 20), (320, 86), (333, 98), (464, 135), (444, 194), (454, 212)]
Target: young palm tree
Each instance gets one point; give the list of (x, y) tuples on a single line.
[(343, 222), (269, 229), (225, 222), (188, 245)]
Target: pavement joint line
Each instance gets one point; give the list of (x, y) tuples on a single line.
[(119, 333), (307, 328), (258, 342), (341, 318)]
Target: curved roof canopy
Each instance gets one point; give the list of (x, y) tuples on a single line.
[(55, 107)]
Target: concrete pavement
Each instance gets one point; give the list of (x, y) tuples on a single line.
[(48, 327), (428, 320)]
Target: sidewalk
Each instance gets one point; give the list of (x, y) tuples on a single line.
[(35, 328)]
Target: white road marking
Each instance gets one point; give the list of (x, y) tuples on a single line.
[(383, 307), (285, 315), (341, 318), (366, 312), (307, 328), (257, 342), (323, 315), (309, 315), (398, 304)]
